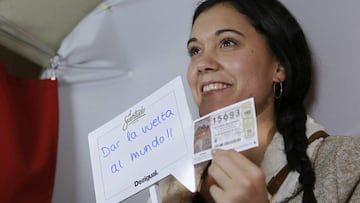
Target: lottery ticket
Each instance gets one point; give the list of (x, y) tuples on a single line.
[(232, 127)]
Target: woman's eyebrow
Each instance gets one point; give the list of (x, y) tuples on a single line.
[(193, 39), (218, 32)]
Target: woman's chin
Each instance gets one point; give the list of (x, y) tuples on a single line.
[(208, 107)]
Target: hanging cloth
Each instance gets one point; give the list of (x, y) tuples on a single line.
[(29, 125)]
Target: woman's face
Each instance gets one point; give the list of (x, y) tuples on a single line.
[(230, 61)]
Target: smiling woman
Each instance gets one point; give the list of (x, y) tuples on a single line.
[(240, 49)]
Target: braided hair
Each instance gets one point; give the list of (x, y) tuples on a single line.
[(288, 44)]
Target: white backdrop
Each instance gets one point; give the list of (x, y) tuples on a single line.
[(152, 51), (333, 31)]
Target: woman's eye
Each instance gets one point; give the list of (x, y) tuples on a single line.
[(227, 43), (194, 51)]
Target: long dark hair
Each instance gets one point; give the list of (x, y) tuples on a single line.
[(288, 44)]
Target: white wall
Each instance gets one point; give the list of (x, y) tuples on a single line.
[(157, 53), (333, 31)]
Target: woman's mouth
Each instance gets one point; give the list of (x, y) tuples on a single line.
[(214, 86)]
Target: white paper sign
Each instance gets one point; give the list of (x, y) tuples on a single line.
[(144, 144)]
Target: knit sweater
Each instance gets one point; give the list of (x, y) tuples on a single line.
[(336, 162)]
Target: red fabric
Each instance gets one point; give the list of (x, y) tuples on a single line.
[(28, 138)]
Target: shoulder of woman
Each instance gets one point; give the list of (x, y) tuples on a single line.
[(340, 147), (337, 167)]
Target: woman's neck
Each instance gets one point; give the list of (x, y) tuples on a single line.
[(266, 130)]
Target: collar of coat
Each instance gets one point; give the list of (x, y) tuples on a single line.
[(275, 160)]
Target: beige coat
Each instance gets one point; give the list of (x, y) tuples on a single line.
[(337, 170), (336, 162)]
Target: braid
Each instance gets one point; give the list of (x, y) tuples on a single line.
[(290, 123), (290, 111)]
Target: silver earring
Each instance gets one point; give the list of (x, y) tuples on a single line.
[(277, 89)]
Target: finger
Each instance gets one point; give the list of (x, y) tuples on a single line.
[(234, 165), (237, 178), (216, 193), (229, 163), (219, 175), (241, 160)]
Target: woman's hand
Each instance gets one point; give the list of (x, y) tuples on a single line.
[(237, 178)]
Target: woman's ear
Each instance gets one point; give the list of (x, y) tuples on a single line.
[(279, 74)]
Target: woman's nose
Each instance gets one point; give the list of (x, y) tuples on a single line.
[(207, 62)]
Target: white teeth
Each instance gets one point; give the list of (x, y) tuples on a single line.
[(214, 86)]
